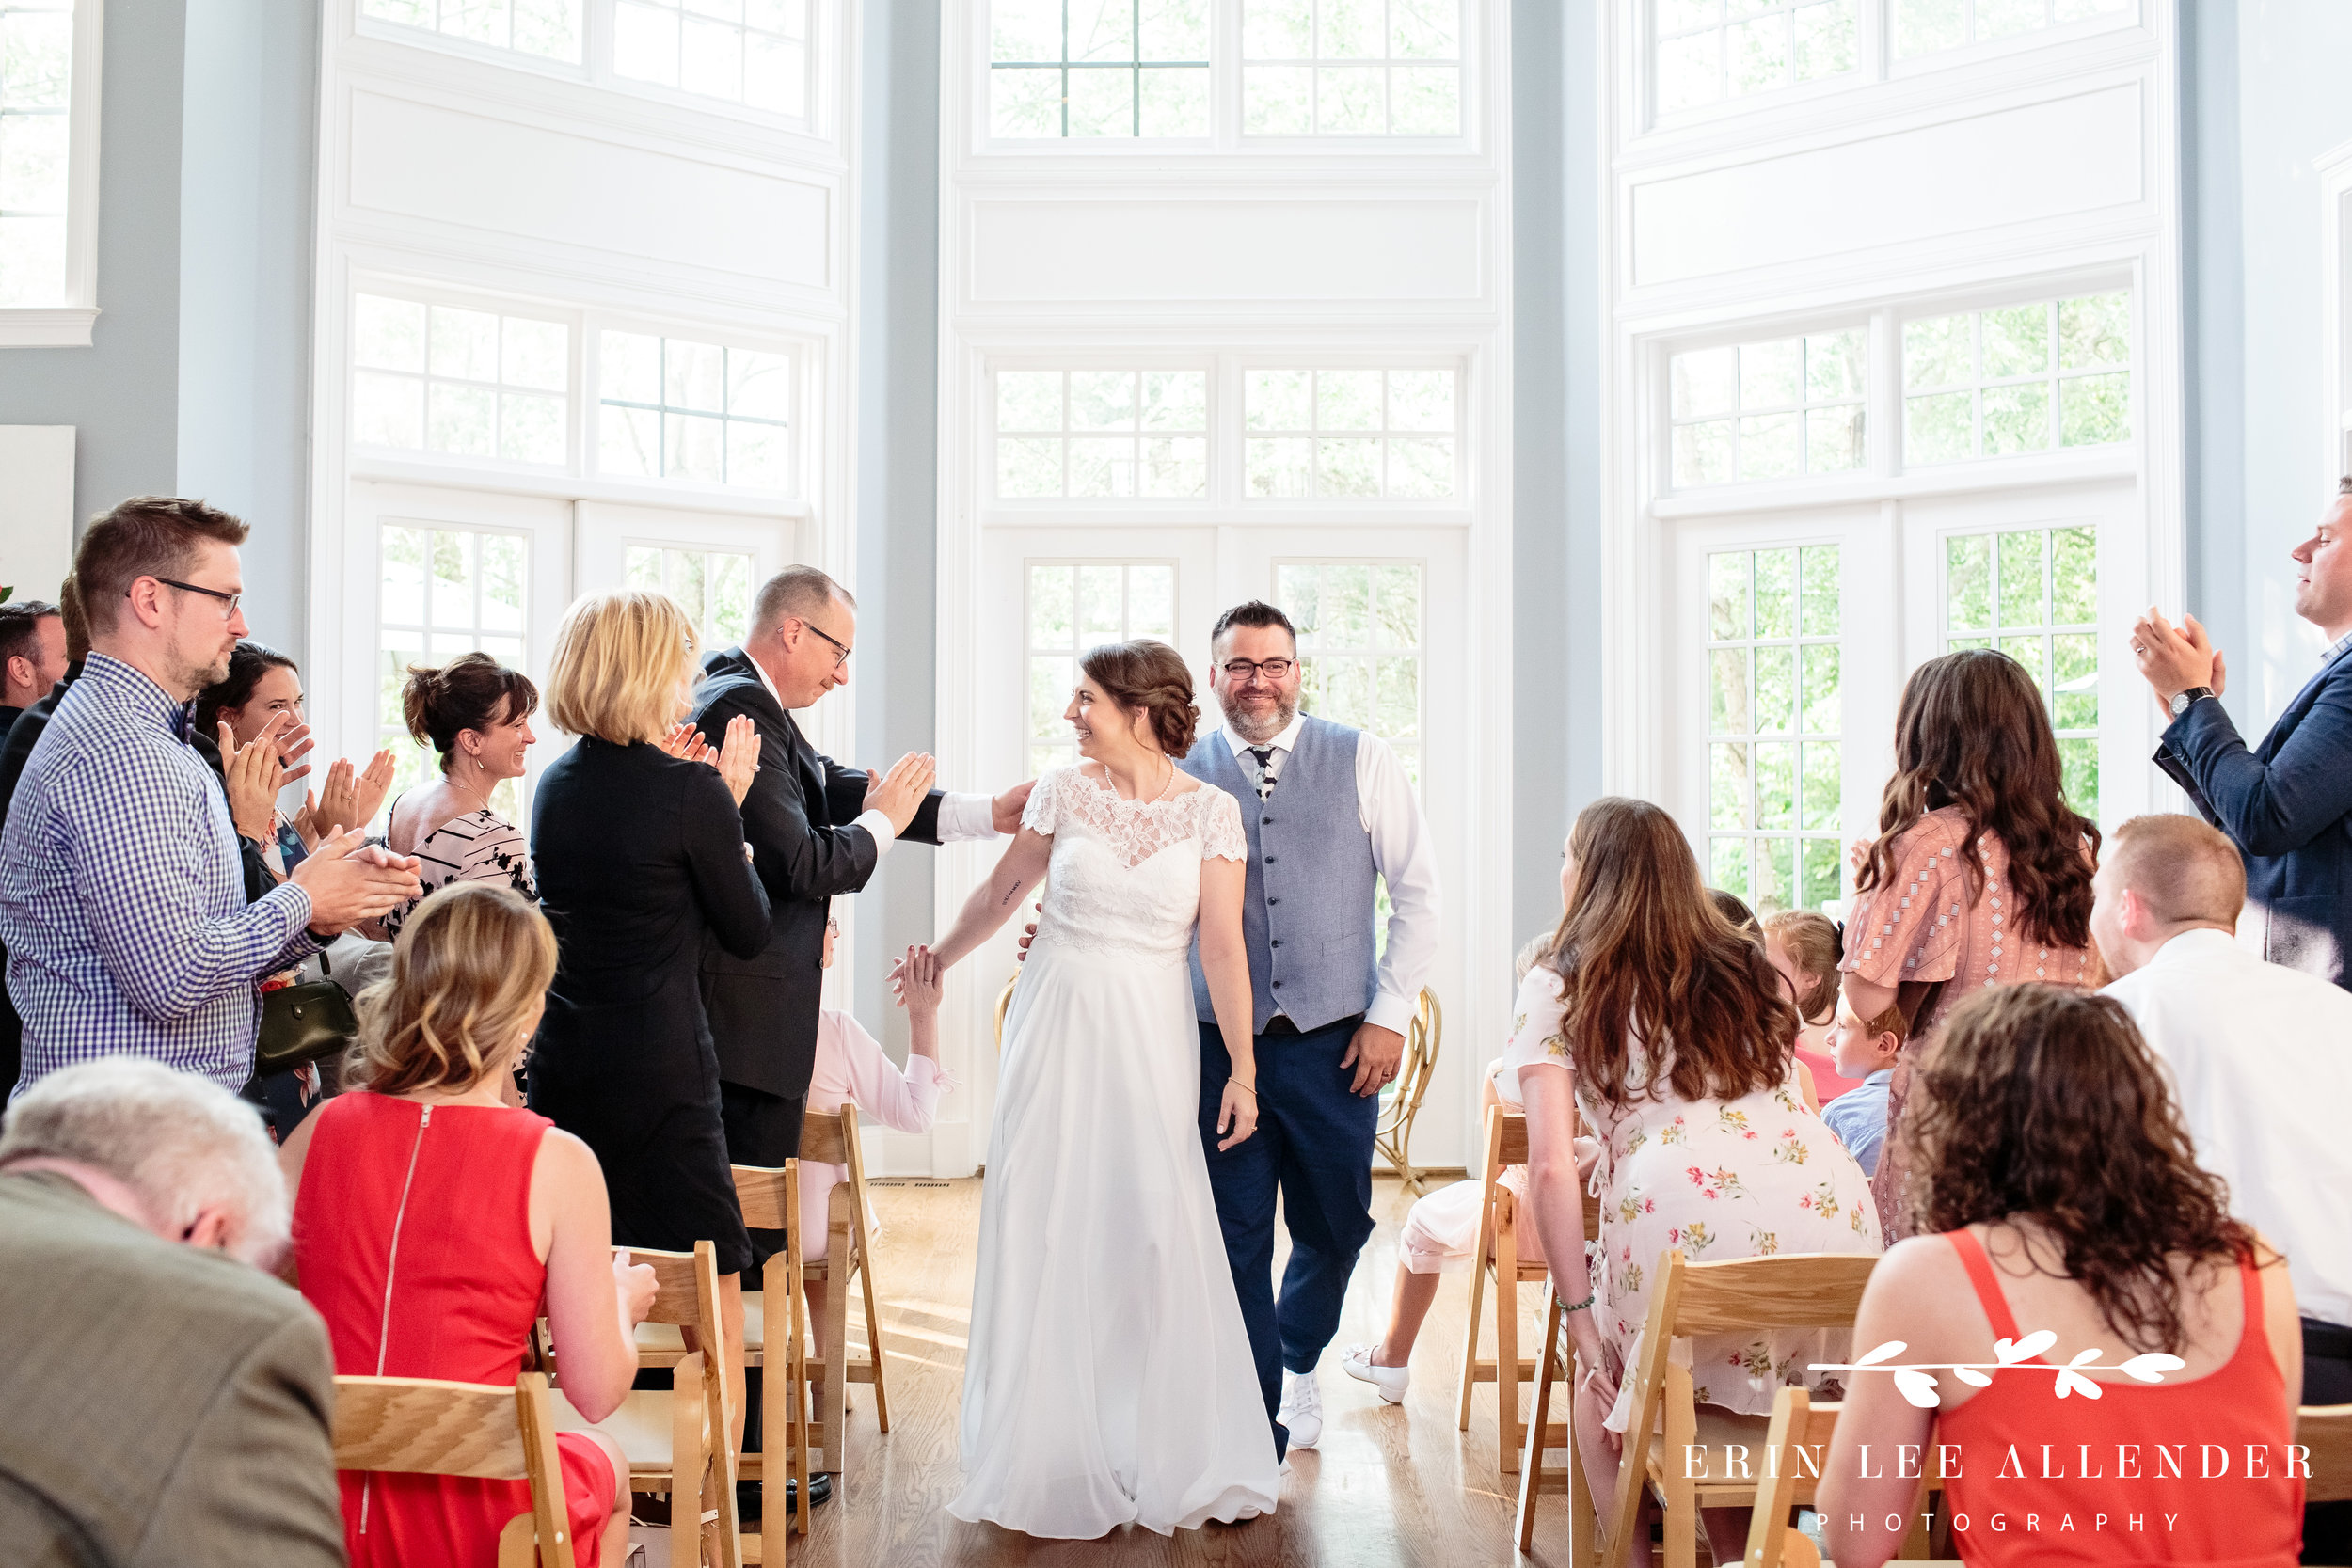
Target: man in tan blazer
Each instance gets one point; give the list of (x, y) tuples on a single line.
[(163, 1399)]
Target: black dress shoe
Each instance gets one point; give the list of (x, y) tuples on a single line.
[(747, 1496)]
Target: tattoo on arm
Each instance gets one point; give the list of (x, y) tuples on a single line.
[(1012, 893)]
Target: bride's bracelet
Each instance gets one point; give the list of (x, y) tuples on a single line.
[(1250, 1090)]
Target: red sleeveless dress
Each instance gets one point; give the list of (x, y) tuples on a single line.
[(412, 1234), (2144, 1474)]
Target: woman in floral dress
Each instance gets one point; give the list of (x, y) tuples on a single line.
[(1705, 1145)]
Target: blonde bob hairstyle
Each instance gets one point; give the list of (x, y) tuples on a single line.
[(623, 661), (470, 975)]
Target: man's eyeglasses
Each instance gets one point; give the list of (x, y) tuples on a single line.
[(841, 653), (1242, 668), (228, 601)]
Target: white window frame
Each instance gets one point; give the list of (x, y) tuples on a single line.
[(1875, 59), (443, 295), (797, 424), (67, 323), (1225, 136), (1142, 363), (594, 68)]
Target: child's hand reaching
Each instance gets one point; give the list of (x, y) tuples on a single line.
[(919, 979)]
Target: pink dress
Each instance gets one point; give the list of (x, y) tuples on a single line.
[(1932, 922), (854, 1070)]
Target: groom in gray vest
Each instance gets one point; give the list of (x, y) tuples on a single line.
[(1329, 813)]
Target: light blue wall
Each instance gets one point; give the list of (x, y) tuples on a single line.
[(897, 457), (122, 392), (197, 379), (1555, 458), (248, 171), (2263, 96)]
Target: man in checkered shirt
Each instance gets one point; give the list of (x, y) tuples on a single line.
[(121, 902)]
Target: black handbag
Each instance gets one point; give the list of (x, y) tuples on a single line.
[(304, 1024)]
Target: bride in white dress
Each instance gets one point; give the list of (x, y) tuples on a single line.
[(1110, 1379)]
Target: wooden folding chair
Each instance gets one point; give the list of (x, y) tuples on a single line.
[(681, 1442), (423, 1426), (1400, 1104), (1791, 1291), (1497, 1258), (1789, 1465), (778, 1312), (831, 1138)]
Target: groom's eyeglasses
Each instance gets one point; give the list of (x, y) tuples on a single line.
[(1242, 668)]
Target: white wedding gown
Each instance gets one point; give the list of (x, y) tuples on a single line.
[(1109, 1380)]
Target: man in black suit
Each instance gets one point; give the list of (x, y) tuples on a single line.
[(816, 829)]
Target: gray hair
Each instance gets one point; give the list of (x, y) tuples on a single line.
[(796, 593), (182, 1142)]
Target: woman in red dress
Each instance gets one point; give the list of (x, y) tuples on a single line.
[(434, 1222), (2060, 1211)]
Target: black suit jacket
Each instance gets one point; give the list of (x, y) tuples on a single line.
[(797, 819), (16, 749)]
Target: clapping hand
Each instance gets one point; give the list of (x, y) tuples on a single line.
[(737, 759), (252, 776), (2172, 660), (686, 742), (348, 796), (350, 880)]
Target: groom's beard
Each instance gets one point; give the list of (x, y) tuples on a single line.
[(1257, 730)]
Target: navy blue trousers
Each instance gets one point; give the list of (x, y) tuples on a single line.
[(1313, 1148)]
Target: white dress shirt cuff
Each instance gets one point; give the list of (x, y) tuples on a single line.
[(877, 824), (963, 817), (1389, 1012)]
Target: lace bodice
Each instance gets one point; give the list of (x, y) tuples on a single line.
[(1125, 875)]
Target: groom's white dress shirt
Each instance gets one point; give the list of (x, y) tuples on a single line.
[(2261, 1061), (961, 816), (1400, 851)]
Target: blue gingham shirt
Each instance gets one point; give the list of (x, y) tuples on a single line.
[(121, 901)]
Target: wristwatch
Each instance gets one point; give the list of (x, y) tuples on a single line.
[(2178, 700)]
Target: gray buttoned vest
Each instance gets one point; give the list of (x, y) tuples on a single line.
[(1307, 912)]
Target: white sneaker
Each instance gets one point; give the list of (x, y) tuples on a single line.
[(1302, 1408), (1357, 1362)]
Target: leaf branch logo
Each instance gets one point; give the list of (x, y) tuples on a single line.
[(1918, 1385)]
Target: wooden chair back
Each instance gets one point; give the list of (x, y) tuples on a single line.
[(425, 1426), (686, 1292), (1788, 1290), (832, 1137), (1400, 1104), (1796, 1451), (2326, 1431), (770, 1196)]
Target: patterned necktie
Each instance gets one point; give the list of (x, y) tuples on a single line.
[(1266, 776)]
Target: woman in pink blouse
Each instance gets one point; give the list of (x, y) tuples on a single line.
[(1980, 874), (854, 1070)]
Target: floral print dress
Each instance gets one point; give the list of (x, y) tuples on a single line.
[(1714, 1179)]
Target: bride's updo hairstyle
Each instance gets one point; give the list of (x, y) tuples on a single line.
[(1150, 675)]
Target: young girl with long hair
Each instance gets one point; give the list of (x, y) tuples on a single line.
[(1980, 874), (1668, 1027)]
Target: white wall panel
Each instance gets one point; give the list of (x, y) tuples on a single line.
[(2039, 161), (1218, 251), (36, 507), (419, 160)]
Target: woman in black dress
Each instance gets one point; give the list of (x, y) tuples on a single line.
[(638, 840)]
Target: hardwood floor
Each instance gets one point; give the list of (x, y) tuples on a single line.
[(1389, 1485)]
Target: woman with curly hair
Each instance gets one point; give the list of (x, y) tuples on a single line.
[(1980, 874), (1668, 1026), (2059, 1209)]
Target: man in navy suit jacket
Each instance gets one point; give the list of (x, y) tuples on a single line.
[(2287, 804)]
